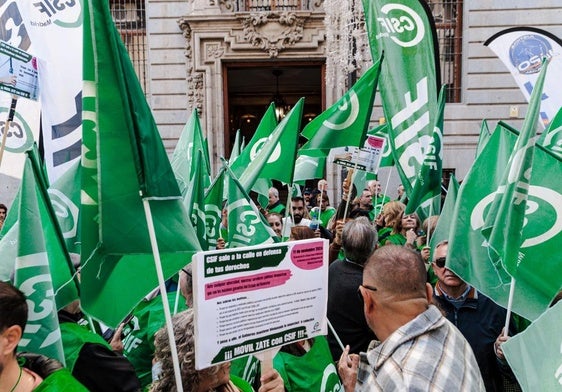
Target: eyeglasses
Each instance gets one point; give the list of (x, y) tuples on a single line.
[(440, 262), (366, 287)]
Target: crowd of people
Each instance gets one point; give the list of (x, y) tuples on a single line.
[(399, 318)]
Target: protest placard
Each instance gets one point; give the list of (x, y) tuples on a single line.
[(254, 298), (366, 158), (18, 72)]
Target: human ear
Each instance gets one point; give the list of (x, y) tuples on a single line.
[(429, 292), (11, 336)]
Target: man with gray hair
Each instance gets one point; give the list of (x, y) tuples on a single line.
[(345, 310), (274, 203), (418, 348)]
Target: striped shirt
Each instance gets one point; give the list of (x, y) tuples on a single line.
[(426, 354)]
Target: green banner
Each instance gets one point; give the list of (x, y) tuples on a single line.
[(410, 77)]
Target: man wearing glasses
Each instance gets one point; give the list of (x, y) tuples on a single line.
[(478, 318), (418, 348)]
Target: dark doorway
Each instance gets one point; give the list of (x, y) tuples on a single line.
[(251, 87)]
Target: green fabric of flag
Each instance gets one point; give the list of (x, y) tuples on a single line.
[(504, 222), (275, 159), (246, 225), (345, 122), (183, 159), (425, 197), (551, 138), (65, 198), (236, 148), (382, 131), (123, 161), (308, 167), (43, 271), (443, 227), (196, 207), (535, 355), (410, 77), (214, 198), (538, 278), (483, 137), (265, 128)]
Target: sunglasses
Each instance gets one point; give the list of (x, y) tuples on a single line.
[(440, 262), (366, 287)]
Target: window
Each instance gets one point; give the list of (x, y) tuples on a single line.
[(448, 22), (129, 17)]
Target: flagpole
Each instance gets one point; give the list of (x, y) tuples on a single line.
[(162, 286), (11, 114), (509, 306), (428, 235), (353, 174), (385, 187), (335, 335)]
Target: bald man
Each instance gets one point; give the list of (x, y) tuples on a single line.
[(419, 349)]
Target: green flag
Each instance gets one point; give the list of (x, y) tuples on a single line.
[(246, 225), (265, 128), (236, 148), (196, 207), (443, 227), (483, 137), (504, 222), (345, 122), (307, 168), (535, 355), (410, 78), (43, 271), (213, 210), (123, 162), (275, 160), (425, 197), (539, 277), (551, 138), (382, 131), (65, 198), (183, 158)]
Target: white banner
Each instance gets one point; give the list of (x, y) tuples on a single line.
[(254, 298), (521, 49), (55, 31)]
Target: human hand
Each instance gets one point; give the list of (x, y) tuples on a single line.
[(116, 343), (411, 237), (425, 254), (498, 344), (271, 381), (347, 369)]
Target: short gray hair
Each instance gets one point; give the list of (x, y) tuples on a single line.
[(359, 240), (274, 191)]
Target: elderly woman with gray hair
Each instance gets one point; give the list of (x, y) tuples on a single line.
[(216, 378)]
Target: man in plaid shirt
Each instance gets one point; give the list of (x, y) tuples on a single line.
[(419, 349)]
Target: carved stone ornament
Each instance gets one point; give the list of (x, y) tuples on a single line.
[(273, 31)]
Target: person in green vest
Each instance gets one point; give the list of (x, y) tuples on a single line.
[(217, 377), (90, 358), (26, 372), (138, 333), (378, 198), (405, 231), (326, 211), (391, 214), (274, 203)]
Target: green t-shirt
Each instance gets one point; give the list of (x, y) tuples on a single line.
[(241, 384), (396, 239), (314, 371), (74, 336), (326, 215), (138, 340), (60, 380)]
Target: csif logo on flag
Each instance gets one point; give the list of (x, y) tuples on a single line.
[(346, 108), (66, 14), (258, 145), (401, 24), (543, 209), (330, 380), (19, 137), (553, 140), (67, 212), (212, 219)]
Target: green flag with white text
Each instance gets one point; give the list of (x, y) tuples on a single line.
[(246, 225), (469, 255), (410, 77), (123, 162), (344, 123), (503, 227), (43, 271), (425, 197), (535, 355)]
